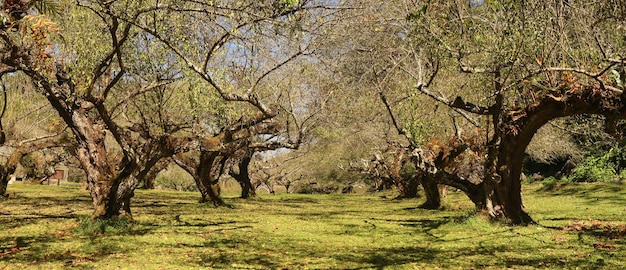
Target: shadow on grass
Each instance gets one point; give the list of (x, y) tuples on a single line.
[(297, 200), (386, 257), (322, 215), (36, 250), (47, 201), (8, 221), (498, 256), (221, 226), (479, 256), (223, 260), (592, 192), (600, 230)]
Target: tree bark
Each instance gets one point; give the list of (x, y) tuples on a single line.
[(4, 181), (202, 173), (407, 185), (149, 179), (287, 186), (518, 128), (243, 177), (433, 198), (208, 179), (7, 170), (408, 188)]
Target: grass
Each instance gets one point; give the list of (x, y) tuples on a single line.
[(579, 226)]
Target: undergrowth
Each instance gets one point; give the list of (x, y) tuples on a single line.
[(97, 227)]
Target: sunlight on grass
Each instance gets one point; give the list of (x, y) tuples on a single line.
[(45, 227)]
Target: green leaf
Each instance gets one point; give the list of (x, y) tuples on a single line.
[(47, 6)]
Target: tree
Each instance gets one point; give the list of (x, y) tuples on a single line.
[(134, 48), (210, 162), (279, 169), (540, 61), (150, 178), (235, 49), (24, 130), (374, 61), (77, 82), (242, 174)]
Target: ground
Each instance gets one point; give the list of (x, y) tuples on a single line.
[(579, 226)]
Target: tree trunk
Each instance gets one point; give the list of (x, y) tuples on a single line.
[(433, 198), (148, 182), (4, 181), (432, 180), (383, 183), (409, 187), (202, 173), (287, 186), (7, 170), (264, 184), (149, 179), (210, 191), (125, 192), (243, 178), (210, 168), (100, 178), (246, 189), (518, 128), (505, 193)]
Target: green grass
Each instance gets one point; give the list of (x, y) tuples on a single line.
[(579, 226)]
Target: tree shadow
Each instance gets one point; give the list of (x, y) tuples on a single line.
[(36, 250), (499, 257), (601, 230), (297, 200), (223, 260), (592, 192), (13, 221), (388, 257)]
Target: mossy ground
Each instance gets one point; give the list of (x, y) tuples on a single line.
[(579, 226)]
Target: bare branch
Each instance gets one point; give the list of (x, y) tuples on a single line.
[(259, 79), (400, 130), (459, 107), (143, 90)]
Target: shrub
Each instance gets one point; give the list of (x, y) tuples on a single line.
[(606, 167), (97, 227)]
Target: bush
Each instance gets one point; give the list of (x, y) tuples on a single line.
[(97, 227), (606, 167)]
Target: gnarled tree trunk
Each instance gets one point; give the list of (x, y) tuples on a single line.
[(203, 174), (149, 180), (153, 157), (433, 198), (519, 127), (4, 180), (243, 177), (8, 169)]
